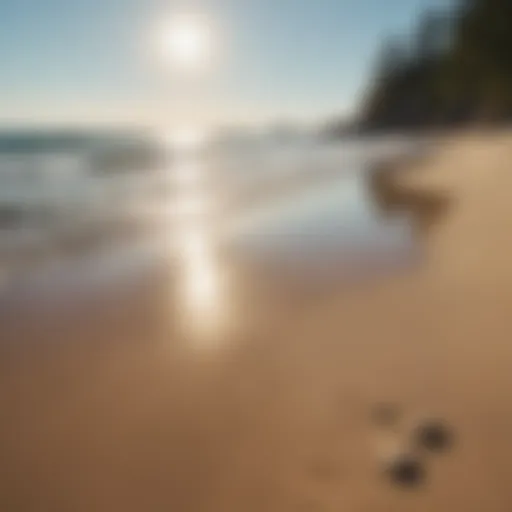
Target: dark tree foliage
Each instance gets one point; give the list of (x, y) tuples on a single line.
[(457, 69)]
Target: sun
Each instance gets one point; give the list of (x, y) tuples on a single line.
[(186, 40)]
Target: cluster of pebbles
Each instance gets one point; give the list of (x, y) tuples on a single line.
[(404, 444)]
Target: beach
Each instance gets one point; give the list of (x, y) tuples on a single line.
[(123, 399)]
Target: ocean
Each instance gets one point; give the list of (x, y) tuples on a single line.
[(68, 197)]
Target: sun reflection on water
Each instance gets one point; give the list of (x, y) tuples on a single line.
[(186, 143), (201, 286), (200, 279)]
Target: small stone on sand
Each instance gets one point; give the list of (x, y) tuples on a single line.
[(433, 436), (406, 471)]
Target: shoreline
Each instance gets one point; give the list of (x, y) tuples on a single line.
[(111, 404)]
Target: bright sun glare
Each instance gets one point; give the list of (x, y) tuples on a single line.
[(186, 41)]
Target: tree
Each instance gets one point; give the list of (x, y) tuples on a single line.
[(459, 69)]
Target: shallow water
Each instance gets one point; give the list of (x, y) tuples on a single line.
[(300, 212), (325, 231)]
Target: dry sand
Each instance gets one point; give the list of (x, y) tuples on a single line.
[(110, 404)]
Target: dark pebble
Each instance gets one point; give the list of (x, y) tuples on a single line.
[(406, 471), (434, 436)]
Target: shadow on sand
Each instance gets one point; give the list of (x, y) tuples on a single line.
[(425, 207)]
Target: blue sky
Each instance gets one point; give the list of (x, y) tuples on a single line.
[(91, 61)]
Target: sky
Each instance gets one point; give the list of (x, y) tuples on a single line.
[(95, 62)]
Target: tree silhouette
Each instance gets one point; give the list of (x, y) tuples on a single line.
[(456, 69)]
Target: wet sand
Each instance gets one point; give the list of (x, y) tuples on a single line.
[(121, 398)]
